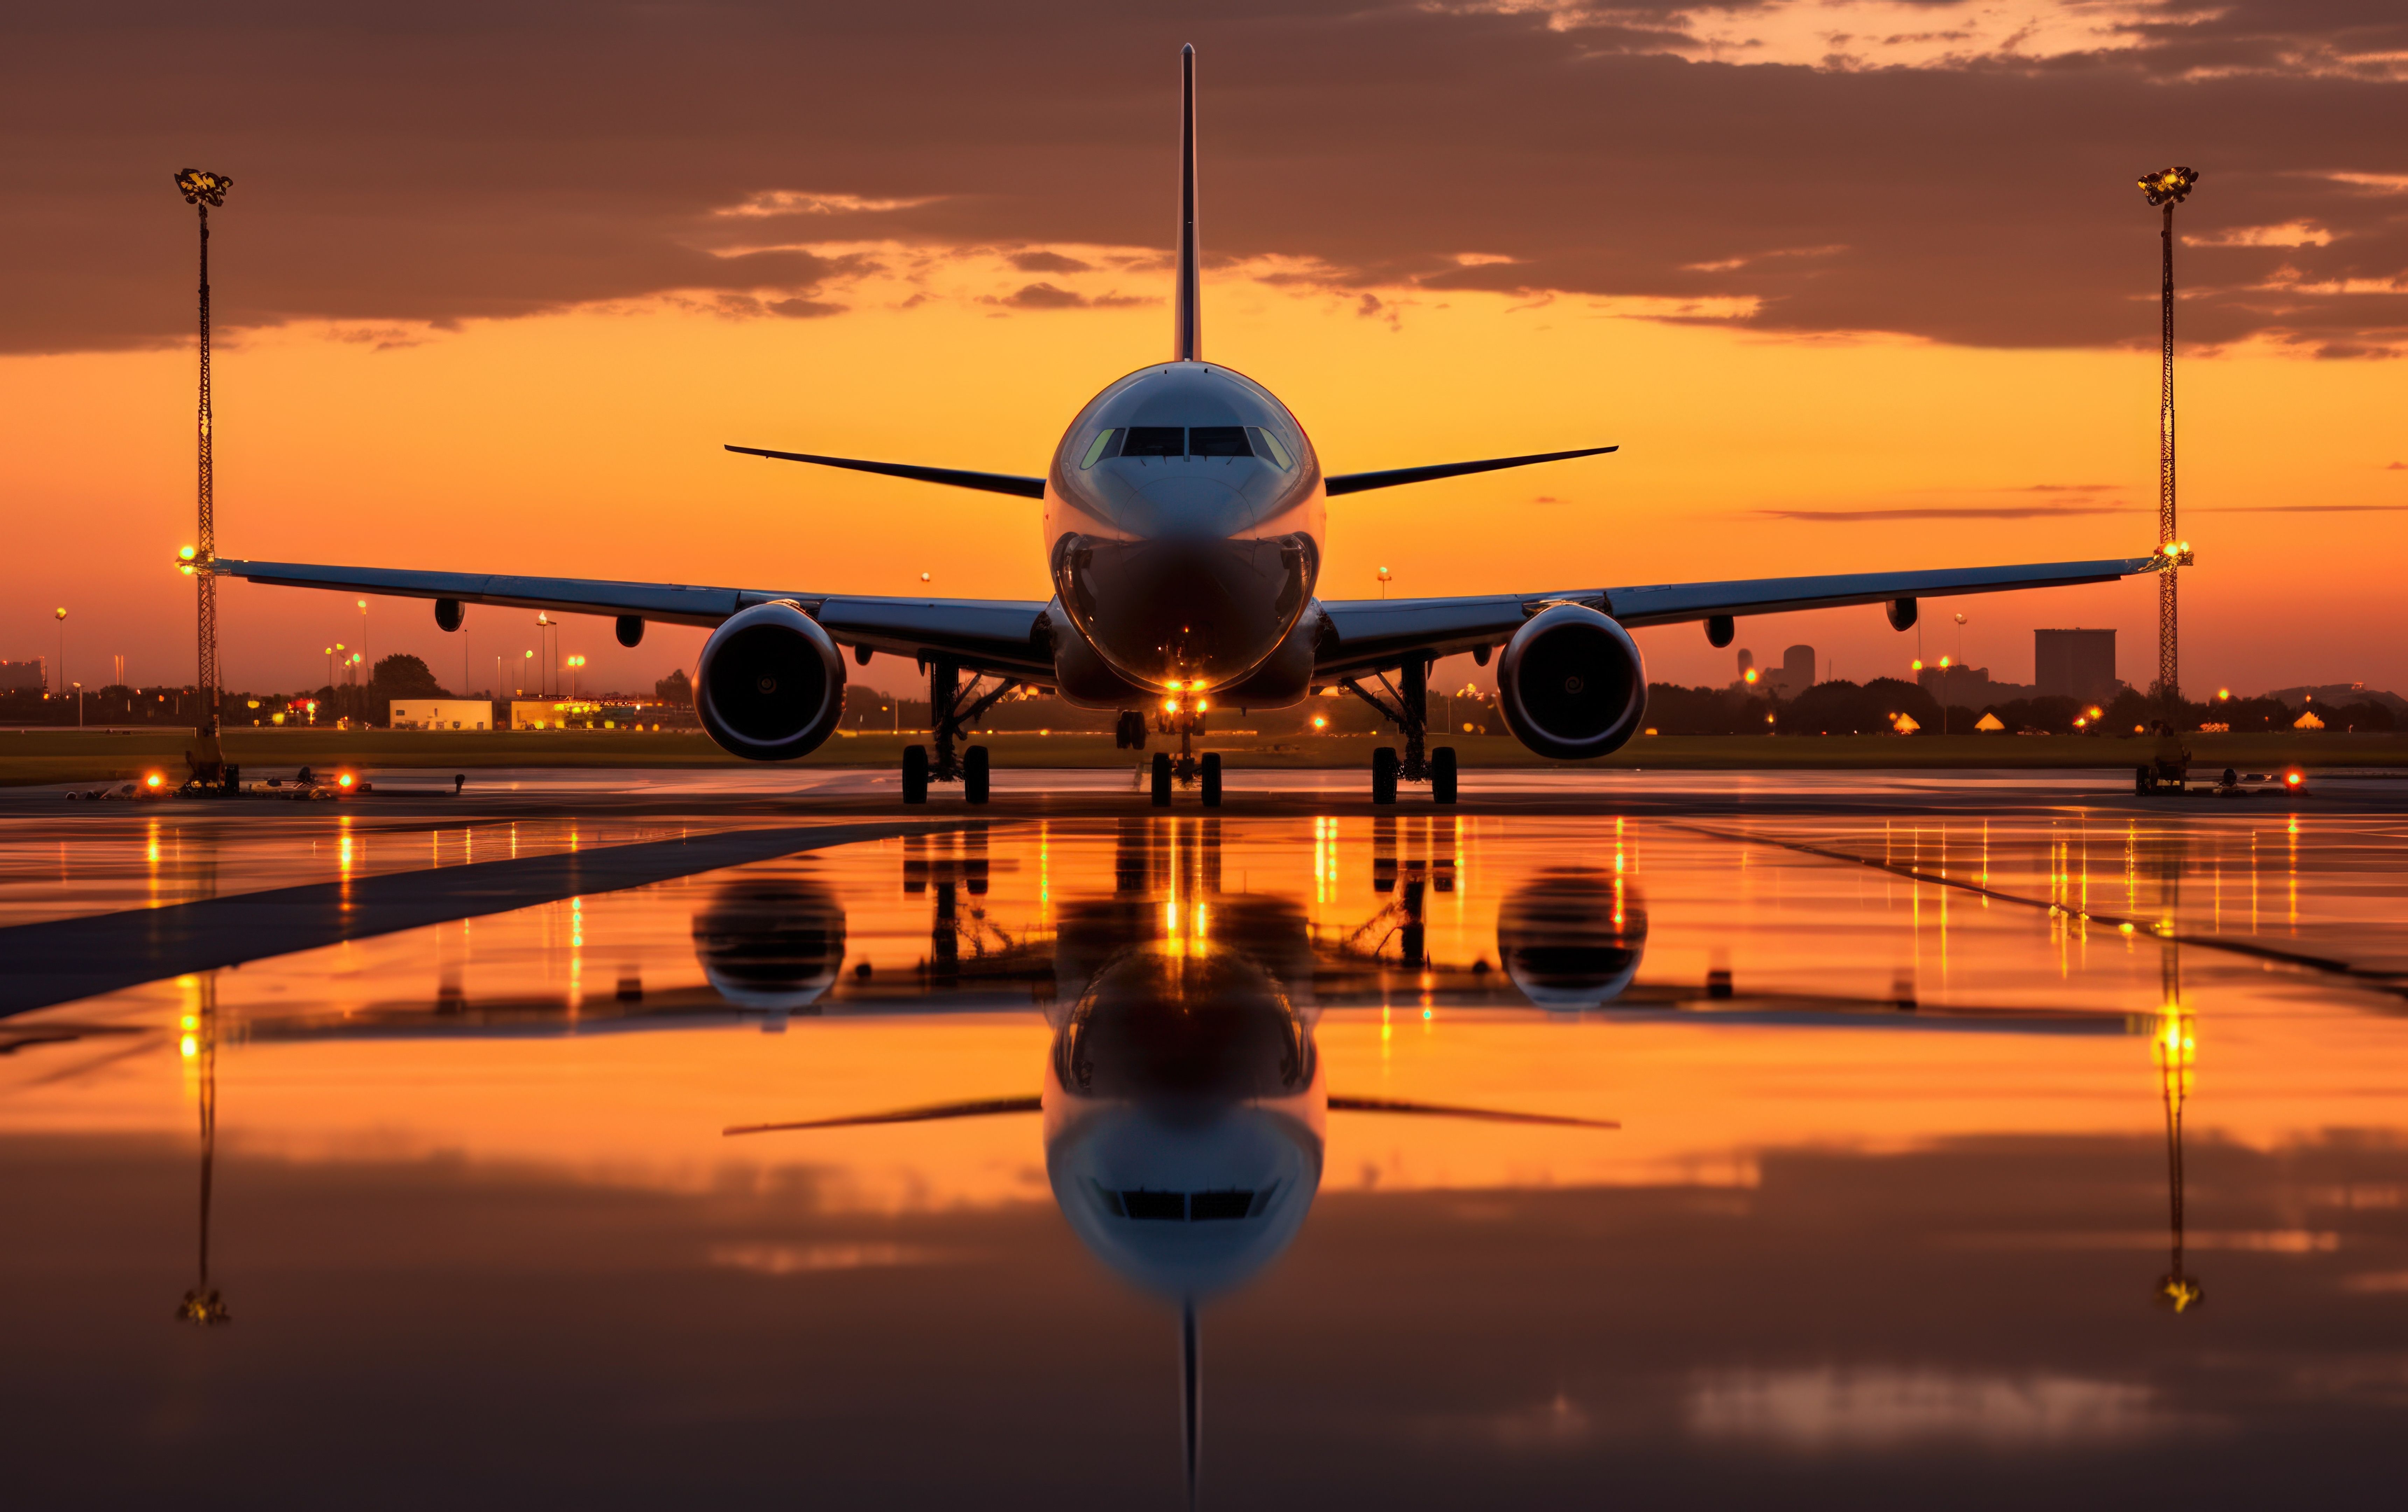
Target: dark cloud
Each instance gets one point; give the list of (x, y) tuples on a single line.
[(1048, 262), (446, 161), (1049, 297)]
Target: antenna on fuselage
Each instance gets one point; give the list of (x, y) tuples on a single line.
[(1187, 340)]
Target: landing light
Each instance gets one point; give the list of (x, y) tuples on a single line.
[(2293, 779), (154, 780), (1170, 706), (1201, 706), (344, 780)]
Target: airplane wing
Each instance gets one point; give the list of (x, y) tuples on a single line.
[(983, 635), (1366, 635)]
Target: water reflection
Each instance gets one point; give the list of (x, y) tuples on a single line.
[(1570, 938), (1184, 1106), (202, 1304), (769, 942)]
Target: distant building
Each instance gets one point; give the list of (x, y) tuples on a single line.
[(2074, 664), (1794, 674), (573, 714), (24, 676), (441, 714), (1968, 687)]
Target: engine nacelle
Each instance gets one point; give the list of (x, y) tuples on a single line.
[(1572, 683), (770, 684)]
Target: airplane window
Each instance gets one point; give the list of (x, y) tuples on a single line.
[(1218, 441), (1266, 445), (1155, 441), (1101, 448)]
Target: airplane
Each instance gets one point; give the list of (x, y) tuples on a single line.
[(1183, 514)]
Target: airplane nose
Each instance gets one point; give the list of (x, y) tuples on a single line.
[(1188, 505)]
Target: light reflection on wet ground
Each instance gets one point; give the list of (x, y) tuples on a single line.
[(1889, 1214)]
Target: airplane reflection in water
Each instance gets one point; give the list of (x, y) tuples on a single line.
[(1183, 1105)]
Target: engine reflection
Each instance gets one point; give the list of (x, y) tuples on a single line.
[(770, 943), (1572, 938)]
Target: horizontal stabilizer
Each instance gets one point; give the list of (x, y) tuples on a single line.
[(932, 1113), (1441, 1110), (1355, 482), (992, 483)]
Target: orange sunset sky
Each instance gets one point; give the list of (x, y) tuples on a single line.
[(1853, 285)]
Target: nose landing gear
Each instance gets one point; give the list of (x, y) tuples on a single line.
[(1184, 718), (1410, 712)]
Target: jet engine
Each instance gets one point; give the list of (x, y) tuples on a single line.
[(1572, 683), (770, 684)]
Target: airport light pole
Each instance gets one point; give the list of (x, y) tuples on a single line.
[(59, 678), (364, 626), (203, 189), (2166, 189)]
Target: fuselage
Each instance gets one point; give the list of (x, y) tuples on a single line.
[(1184, 524)]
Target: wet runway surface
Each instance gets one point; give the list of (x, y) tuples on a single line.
[(1869, 1155)]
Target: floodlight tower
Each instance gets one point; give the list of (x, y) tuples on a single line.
[(204, 189), (2168, 188)]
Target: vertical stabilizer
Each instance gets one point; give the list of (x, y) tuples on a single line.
[(1187, 341), (1191, 1378)]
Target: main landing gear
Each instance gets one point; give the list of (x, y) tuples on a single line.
[(1410, 710), (952, 708)]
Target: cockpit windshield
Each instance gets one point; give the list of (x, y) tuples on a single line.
[(1188, 442), (1155, 441)]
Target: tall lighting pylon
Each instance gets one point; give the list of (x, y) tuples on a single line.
[(2168, 188), (205, 189)]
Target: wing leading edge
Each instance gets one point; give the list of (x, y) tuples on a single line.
[(1367, 634), (988, 635)]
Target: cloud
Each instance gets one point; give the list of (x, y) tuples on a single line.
[(1043, 295), (1959, 511), (1048, 262), (1795, 169)]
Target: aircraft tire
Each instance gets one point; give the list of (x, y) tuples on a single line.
[(1442, 765), (1162, 779), (974, 774), (915, 774), (1383, 774), (1211, 775)]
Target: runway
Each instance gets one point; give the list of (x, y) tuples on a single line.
[(1872, 1138)]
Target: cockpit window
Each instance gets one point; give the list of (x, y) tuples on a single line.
[(1155, 441), (1218, 441), (1268, 445), (1101, 448)]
